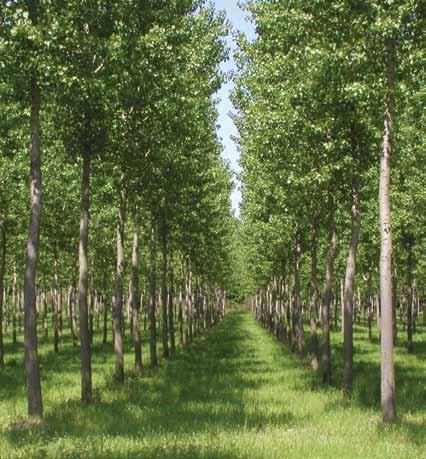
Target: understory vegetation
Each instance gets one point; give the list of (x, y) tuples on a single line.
[(235, 393)]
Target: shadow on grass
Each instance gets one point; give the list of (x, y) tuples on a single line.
[(200, 390), (410, 381)]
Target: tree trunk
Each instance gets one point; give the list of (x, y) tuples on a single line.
[(328, 295), (314, 293), (410, 302), (348, 295), (118, 293), (298, 319), (387, 360), (32, 371), (153, 300), (2, 273), (135, 299), (14, 304), (85, 348), (55, 303), (164, 305), (170, 305)]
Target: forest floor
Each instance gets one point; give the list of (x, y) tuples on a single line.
[(235, 393)]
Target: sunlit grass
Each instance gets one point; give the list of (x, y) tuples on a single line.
[(235, 393)]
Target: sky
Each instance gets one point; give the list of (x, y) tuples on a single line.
[(227, 129)]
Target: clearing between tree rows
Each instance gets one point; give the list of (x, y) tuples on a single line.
[(235, 393)]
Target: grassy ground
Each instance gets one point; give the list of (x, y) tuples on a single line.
[(236, 393)]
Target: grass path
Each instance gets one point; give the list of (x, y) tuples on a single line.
[(236, 393)]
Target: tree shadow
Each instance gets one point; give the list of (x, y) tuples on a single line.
[(198, 391)]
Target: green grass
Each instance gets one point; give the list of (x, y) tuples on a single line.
[(235, 393)]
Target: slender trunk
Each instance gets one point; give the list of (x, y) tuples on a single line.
[(14, 304), (370, 307), (180, 307), (118, 293), (349, 291), (55, 303), (394, 304), (153, 300), (32, 371), (387, 360), (314, 293), (170, 305), (85, 348), (298, 319), (410, 302), (328, 294), (2, 273), (164, 305), (135, 299)]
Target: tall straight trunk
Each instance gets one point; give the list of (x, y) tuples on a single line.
[(135, 298), (73, 310), (14, 304), (55, 303), (314, 293), (85, 347), (410, 302), (118, 290), (349, 291), (387, 359), (2, 273), (32, 371), (153, 300), (180, 307), (189, 304), (394, 304), (298, 319), (328, 295), (105, 310), (370, 307), (171, 304), (164, 305)]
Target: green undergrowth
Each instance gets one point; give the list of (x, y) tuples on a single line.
[(235, 393)]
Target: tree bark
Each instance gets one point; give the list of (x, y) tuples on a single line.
[(135, 300), (298, 319), (164, 305), (328, 295), (314, 293), (118, 293), (349, 291), (386, 304), (55, 303), (14, 304), (410, 347), (85, 347), (153, 300), (170, 305), (32, 371), (2, 273)]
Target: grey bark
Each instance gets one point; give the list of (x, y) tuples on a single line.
[(314, 296), (32, 371), (153, 300), (328, 295), (2, 273), (386, 304), (348, 294), (164, 305), (170, 305), (118, 291), (135, 299), (85, 347)]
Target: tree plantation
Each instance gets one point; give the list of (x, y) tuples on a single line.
[(141, 316)]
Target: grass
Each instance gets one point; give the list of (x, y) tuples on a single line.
[(235, 393)]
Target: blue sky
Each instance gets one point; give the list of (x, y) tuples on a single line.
[(239, 21)]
